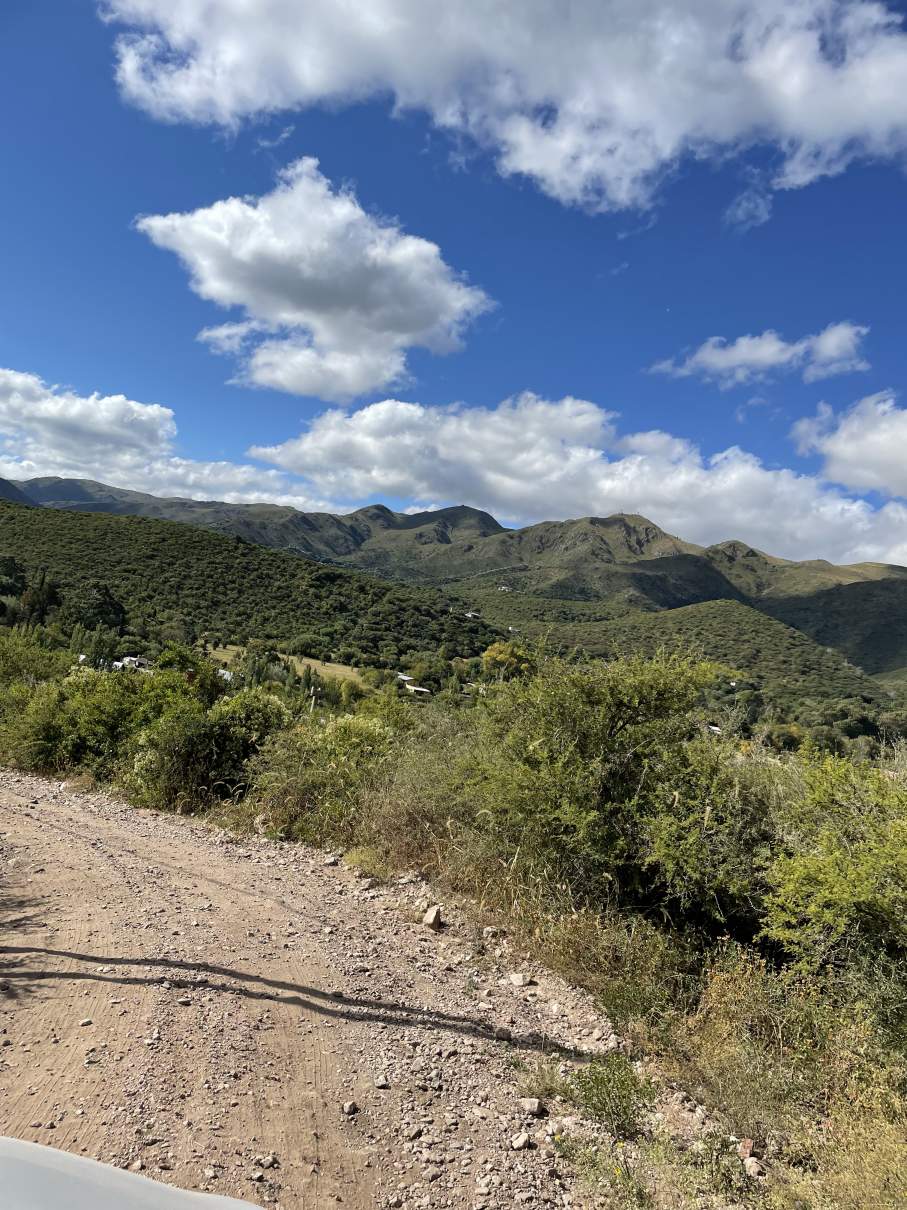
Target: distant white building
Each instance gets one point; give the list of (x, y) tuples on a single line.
[(416, 688), (134, 661), (225, 674), (504, 588), (401, 676)]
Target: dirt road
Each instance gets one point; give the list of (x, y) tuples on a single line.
[(242, 1018)]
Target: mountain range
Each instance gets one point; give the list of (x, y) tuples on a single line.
[(592, 581)]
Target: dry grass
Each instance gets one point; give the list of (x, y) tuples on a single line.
[(341, 672)]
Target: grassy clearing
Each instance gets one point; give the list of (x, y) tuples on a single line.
[(343, 672)]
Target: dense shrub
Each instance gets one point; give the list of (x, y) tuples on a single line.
[(839, 887), (190, 757), (309, 782)]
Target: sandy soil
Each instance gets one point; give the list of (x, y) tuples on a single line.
[(240, 1017)]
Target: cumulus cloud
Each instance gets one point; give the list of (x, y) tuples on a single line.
[(834, 350), (595, 101), (863, 447), (50, 430), (530, 459), (527, 459), (331, 297)]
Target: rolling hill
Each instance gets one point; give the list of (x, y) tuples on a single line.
[(788, 665), (568, 578), (373, 538), (180, 581)]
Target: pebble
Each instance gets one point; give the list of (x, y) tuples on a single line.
[(454, 1132)]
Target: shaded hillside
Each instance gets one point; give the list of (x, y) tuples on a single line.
[(867, 621), (10, 491), (182, 581), (785, 663), (758, 575)]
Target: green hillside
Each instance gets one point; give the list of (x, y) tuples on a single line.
[(373, 538), (180, 581), (867, 621), (568, 578), (788, 665)]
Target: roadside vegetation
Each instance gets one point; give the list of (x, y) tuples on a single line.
[(740, 911)]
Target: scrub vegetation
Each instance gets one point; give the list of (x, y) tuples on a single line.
[(738, 911)]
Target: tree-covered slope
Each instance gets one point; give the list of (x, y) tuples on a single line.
[(867, 621), (788, 665), (184, 581), (566, 577)]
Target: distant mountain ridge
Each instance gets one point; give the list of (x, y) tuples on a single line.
[(10, 491), (325, 536), (570, 577)]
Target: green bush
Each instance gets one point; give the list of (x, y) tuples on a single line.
[(609, 1090), (190, 757), (22, 659), (709, 830), (33, 731), (839, 889), (172, 762), (564, 761), (308, 782)]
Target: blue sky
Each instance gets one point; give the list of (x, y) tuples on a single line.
[(464, 300)]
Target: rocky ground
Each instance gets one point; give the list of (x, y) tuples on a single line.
[(254, 1019)]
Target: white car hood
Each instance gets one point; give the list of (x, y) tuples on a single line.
[(40, 1178)]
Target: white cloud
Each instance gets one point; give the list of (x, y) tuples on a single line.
[(595, 101), (332, 297), (834, 350), (530, 459), (49, 430), (863, 447), (751, 208), (527, 459)]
